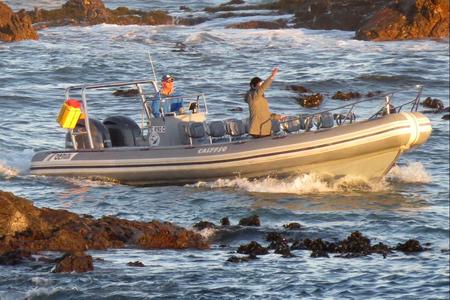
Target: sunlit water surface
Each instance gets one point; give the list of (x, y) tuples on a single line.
[(411, 202)]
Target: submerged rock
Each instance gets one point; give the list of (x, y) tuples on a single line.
[(126, 93), (74, 262), (437, 104), (204, 224), (237, 259), (410, 246), (135, 264), (14, 257), (299, 88), (225, 221), (293, 226), (346, 96), (253, 248), (278, 24), (308, 101), (250, 221)]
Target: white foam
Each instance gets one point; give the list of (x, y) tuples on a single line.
[(301, 184), (207, 232), (16, 163), (413, 172)]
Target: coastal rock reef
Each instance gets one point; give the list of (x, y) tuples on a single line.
[(377, 20), (26, 229)]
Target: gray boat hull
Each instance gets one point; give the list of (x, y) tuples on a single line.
[(365, 149)]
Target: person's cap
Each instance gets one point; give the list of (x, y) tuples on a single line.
[(167, 77), (254, 82)]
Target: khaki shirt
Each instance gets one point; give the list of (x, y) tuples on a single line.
[(260, 115)]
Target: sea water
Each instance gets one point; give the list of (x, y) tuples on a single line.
[(410, 202)]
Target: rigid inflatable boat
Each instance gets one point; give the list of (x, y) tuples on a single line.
[(182, 146)]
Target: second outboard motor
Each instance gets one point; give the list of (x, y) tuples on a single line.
[(123, 131), (99, 133)]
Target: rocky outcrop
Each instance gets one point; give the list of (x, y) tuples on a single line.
[(74, 262), (407, 19), (15, 27), (278, 24), (91, 12), (28, 228)]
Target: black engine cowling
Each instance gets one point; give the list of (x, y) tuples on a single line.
[(123, 131)]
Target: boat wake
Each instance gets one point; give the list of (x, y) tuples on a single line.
[(301, 184), (313, 183), (15, 164), (412, 172)]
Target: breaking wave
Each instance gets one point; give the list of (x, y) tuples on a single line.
[(412, 172), (15, 164), (301, 184)]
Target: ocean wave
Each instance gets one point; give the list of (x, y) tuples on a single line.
[(300, 184), (412, 172), (16, 163)]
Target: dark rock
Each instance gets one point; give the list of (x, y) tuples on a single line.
[(250, 221), (382, 249), (15, 26), (447, 109), (355, 243), (204, 224), (292, 226), (236, 109), (135, 264), (126, 93), (275, 237), (346, 96), (319, 253), (253, 248), (233, 2), (278, 24), (446, 117), (437, 104), (298, 245), (308, 101), (236, 259), (74, 262), (225, 221), (282, 248), (14, 257), (407, 19), (410, 246), (299, 89), (373, 94), (185, 8)]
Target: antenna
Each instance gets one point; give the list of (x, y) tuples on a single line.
[(153, 68)]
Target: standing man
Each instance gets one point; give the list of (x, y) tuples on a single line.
[(260, 115)]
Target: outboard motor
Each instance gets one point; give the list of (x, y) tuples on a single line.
[(99, 133), (124, 131)]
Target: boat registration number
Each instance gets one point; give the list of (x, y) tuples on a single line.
[(60, 156)]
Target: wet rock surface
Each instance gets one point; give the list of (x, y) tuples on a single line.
[(436, 104), (15, 26), (293, 226), (314, 100), (204, 225), (346, 95), (253, 248), (74, 262), (410, 246), (250, 221), (27, 228), (126, 93), (278, 24), (135, 264)]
